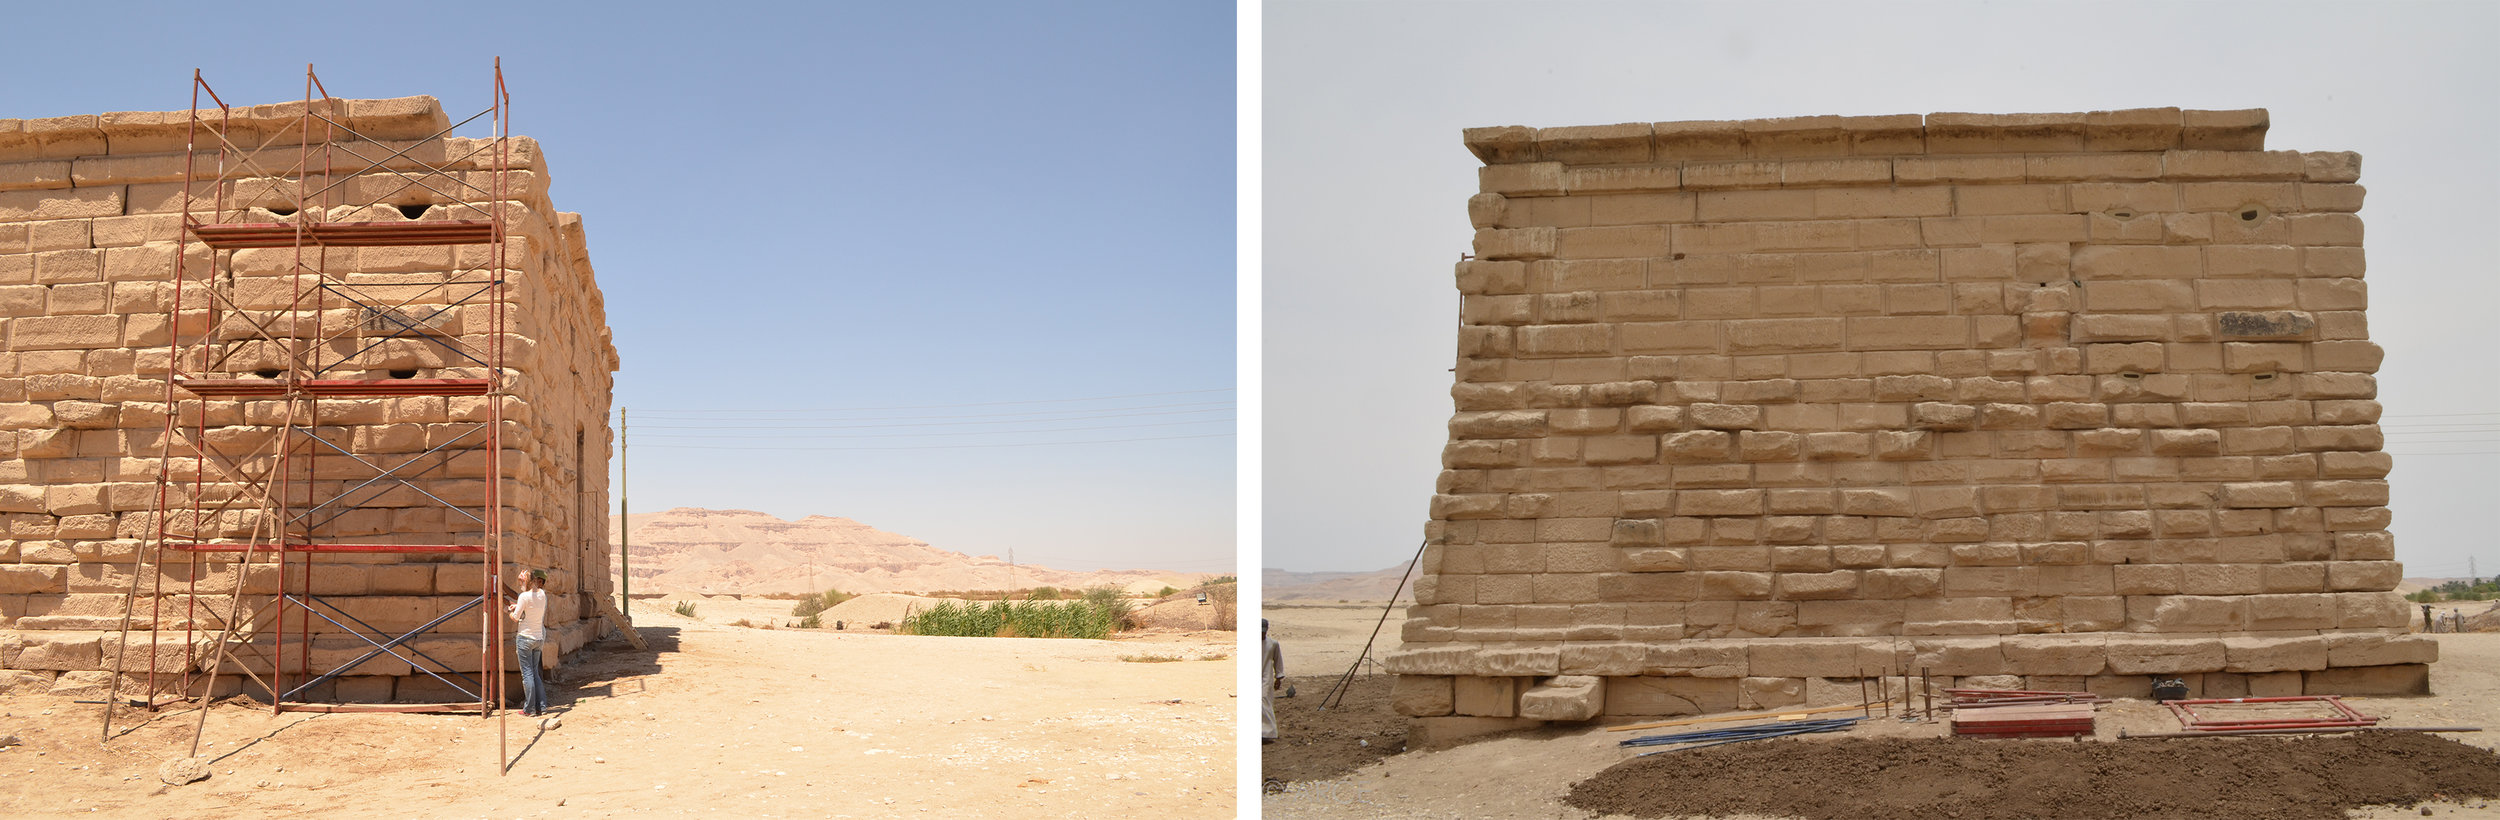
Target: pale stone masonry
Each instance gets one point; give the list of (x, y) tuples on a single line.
[(1746, 410), (89, 227)]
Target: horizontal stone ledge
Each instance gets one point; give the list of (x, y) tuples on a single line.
[(2050, 654), (147, 132), (1427, 697), (2130, 130)]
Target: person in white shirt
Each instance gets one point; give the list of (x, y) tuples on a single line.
[(529, 609)]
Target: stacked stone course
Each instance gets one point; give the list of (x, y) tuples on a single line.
[(1748, 410), (90, 224)]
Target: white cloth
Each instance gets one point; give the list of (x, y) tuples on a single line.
[(1272, 670), (531, 610)]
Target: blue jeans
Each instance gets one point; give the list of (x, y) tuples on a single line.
[(533, 685)]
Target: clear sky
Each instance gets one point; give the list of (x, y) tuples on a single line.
[(961, 271), (1366, 185)]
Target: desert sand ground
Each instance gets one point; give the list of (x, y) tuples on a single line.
[(1534, 770), (718, 721)]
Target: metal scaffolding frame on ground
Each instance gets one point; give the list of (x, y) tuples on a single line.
[(271, 458)]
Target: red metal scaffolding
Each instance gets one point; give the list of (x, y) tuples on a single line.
[(270, 460)]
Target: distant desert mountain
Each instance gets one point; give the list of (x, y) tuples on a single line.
[(690, 549), (1280, 585)]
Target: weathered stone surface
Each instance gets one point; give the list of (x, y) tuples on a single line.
[(21, 682), (1808, 657), (1480, 696), (1446, 732), (1422, 695), (2165, 656), (2254, 654), (2083, 655), (87, 309), (2399, 679), (1569, 697), (2368, 649), (2069, 397), (1654, 696)]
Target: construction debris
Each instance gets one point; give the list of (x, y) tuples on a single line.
[(1738, 734), (181, 770), (2293, 712), (1967, 698), (2025, 720)]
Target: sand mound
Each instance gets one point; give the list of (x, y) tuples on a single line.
[(876, 607), (1150, 586)]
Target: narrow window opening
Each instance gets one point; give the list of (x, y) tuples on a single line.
[(267, 372), (281, 210), (404, 374), (414, 211), (2250, 214)]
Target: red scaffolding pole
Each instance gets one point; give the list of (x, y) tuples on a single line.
[(269, 458)]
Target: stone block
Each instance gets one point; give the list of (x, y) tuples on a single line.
[(1647, 696), (1453, 731), (2165, 656), (1817, 586), (1770, 693), (1960, 656), (32, 579), (2256, 654), (25, 682), (1567, 697), (58, 651), (1526, 179), (2080, 655), (2399, 679), (1608, 658), (1483, 696), (2138, 687), (1698, 659), (1422, 695), (1815, 657), (1516, 243), (2379, 649)]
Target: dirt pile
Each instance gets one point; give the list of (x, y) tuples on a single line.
[(1316, 745), (1921, 779)]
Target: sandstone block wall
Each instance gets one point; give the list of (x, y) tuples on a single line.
[(1746, 410), (90, 224)]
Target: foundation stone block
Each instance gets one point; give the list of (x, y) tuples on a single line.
[(1569, 697), (1423, 695)]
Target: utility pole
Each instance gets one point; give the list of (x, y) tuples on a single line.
[(625, 512)]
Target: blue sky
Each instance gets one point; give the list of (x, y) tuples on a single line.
[(920, 246)]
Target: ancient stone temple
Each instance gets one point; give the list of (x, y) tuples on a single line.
[(1747, 411), (328, 330)]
